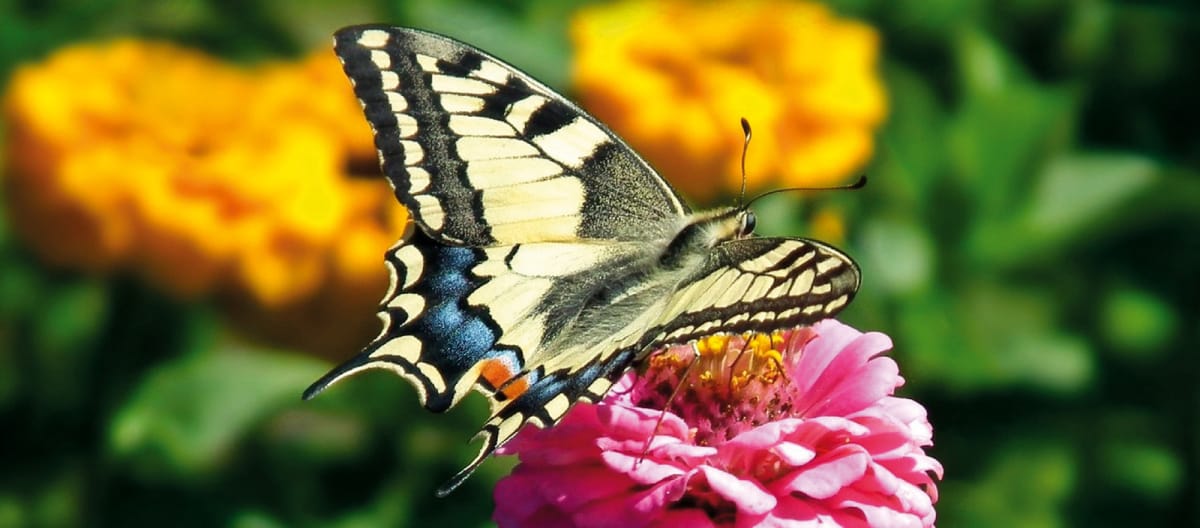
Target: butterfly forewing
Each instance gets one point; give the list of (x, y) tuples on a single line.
[(483, 154)]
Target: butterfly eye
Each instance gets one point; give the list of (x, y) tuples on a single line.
[(748, 221)]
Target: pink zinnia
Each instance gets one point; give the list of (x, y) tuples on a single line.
[(797, 428)]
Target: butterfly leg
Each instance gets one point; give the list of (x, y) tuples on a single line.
[(687, 374)]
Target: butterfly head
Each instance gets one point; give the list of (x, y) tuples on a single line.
[(746, 223), (724, 224)]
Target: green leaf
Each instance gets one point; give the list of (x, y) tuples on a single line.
[(898, 254), (255, 519), (1137, 323), (392, 506), (187, 415), (779, 215), (921, 18), (1028, 484), (1075, 196), (984, 66), (996, 140), (71, 315), (1004, 126), (991, 335), (933, 352), (12, 510), (1053, 361), (1079, 189), (64, 332), (21, 287), (911, 148), (1148, 470), (1088, 36)]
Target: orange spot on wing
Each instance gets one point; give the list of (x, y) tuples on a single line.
[(497, 374), (516, 388)]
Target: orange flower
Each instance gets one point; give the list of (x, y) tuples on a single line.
[(674, 78), (204, 177)]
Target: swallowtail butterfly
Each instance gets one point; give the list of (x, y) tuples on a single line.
[(544, 257)]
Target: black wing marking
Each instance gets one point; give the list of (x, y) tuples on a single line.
[(483, 154)]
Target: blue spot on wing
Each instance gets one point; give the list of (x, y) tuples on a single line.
[(454, 335)]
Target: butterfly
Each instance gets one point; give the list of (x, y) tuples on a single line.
[(544, 258)]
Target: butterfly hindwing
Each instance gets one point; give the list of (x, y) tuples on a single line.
[(431, 335), (751, 284), (483, 154)]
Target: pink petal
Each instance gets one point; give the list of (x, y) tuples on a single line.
[(660, 447), (793, 454), (690, 517), (861, 387), (546, 516), (632, 423), (764, 436), (682, 451), (632, 510), (791, 513), (848, 379), (524, 491), (879, 510), (915, 500), (513, 500), (818, 353), (641, 470), (828, 474), (750, 497), (816, 431)]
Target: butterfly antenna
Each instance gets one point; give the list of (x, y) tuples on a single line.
[(858, 184), (687, 374), (745, 147)]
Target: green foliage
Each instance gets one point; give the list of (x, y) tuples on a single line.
[(184, 416), (1029, 239)]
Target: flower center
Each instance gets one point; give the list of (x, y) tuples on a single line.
[(723, 384)]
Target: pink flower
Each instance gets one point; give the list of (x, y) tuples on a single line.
[(797, 428)]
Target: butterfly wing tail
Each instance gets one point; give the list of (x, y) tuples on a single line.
[(332, 377)]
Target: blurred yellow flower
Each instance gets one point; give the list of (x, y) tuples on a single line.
[(674, 78), (205, 177)]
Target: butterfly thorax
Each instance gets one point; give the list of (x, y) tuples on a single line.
[(632, 292), (704, 231)]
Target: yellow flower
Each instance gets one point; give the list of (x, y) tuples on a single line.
[(207, 178), (675, 77)]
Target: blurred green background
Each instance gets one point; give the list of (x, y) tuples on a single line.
[(1030, 239)]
